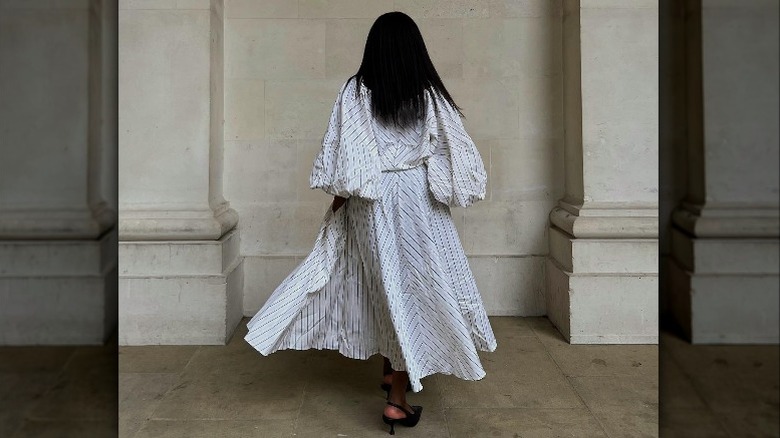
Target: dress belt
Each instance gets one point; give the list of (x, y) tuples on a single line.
[(407, 167)]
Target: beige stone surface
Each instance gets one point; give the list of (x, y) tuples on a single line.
[(263, 9), (620, 103), (20, 390), (262, 170), (703, 390), (262, 274), (40, 109), (506, 228), (299, 109), (500, 60), (534, 423), (629, 423), (596, 360), (164, 4), (280, 228), (445, 41), (37, 359), (718, 390), (232, 391), (512, 47), (57, 172), (67, 429), (139, 395), (690, 422), (245, 104), (729, 217), (343, 9), (524, 8), (740, 46), (274, 48), (214, 428), (160, 118), (307, 152), (510, 285), (343, 39), (60, 392), (155, 359), (526, 169), (602, 273), (443, 8)]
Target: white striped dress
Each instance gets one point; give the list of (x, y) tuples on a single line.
[(387, 273)]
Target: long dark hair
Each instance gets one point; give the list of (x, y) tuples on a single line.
[(397, 69)]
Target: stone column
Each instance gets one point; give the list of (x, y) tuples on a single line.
[(602, 273), (180, 271), (57, 172), (725, 253)]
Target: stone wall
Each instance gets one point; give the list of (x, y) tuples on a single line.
[(57, 172), (501, 60)]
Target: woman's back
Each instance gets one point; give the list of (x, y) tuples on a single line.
[(394, 134), (400, 147), (388, 273)]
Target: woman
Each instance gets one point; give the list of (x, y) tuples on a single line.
[(387, 273)]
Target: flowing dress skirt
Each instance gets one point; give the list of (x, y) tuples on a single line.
[(386, 276)]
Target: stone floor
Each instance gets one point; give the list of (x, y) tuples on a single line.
[(716, 391), (537, 385), (58, 392)]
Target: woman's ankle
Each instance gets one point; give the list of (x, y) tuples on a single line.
[(386, 366)]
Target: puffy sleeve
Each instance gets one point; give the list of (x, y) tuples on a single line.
[(348, 162), (456, 172)]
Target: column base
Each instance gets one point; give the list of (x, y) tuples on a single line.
[(176, 225), (56, 224), (603, 290), (725, 290), (58, 292), (178, 292)]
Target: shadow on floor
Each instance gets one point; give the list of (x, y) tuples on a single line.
[(717, 391), (59, 391)]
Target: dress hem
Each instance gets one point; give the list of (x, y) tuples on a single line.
[(374, 352)]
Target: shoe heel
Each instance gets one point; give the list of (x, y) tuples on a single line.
[(391, 422)]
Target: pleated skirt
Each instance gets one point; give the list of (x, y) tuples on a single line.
[(385, 276)]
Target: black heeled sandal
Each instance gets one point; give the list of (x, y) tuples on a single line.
[(410, 420)]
